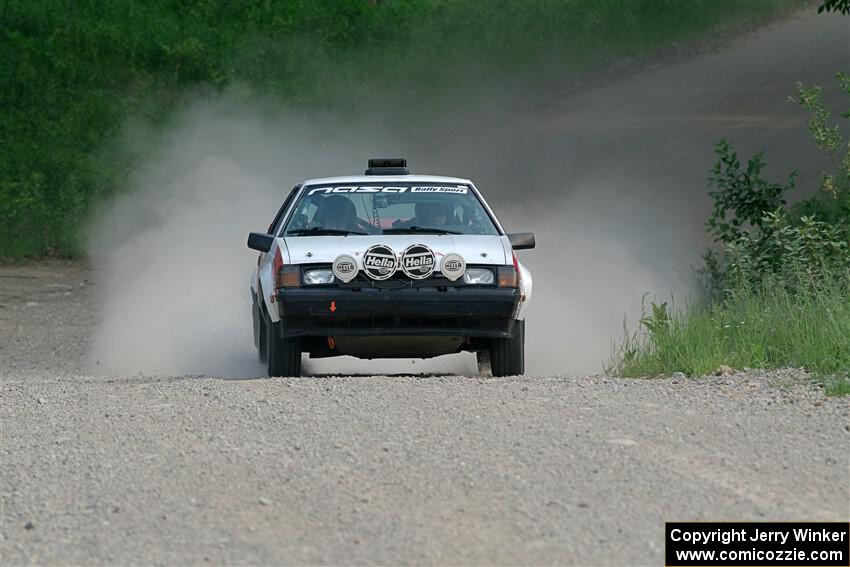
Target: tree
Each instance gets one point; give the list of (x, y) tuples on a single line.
[(842, 6)]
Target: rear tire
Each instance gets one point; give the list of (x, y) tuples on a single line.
[(507, 356), (283, 354)]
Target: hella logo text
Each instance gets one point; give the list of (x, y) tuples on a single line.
[(379, 262), (421, 261)]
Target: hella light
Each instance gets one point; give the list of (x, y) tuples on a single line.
[(319, 276), (478, 276)]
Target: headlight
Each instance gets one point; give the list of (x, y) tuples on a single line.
[(478, 276), (319, 276)]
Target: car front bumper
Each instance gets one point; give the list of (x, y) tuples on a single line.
[(480, 312)]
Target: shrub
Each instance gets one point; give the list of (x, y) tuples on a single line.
[(833, 203), (778, 285)]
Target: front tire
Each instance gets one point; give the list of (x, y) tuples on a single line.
[(262, 342), (283, 354), (507, 356)]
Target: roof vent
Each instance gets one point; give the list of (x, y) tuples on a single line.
[(387, 166)]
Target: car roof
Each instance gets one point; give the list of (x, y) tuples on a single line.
[(369, 179)]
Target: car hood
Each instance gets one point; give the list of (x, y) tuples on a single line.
[(475, 249)]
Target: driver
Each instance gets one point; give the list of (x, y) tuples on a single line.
[(335, 212), (432, 214)]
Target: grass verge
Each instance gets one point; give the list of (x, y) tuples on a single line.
[(770, 327)]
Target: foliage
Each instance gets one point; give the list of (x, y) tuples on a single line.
[(741, 198), (764, 327), (779, 287), (74, 72), (842, 6), (833, 204), (763, 241)]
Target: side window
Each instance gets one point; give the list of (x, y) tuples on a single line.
[(275, 225)]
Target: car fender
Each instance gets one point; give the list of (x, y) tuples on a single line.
[(525, 288), (524, 276), (253, 282), (266, 278)]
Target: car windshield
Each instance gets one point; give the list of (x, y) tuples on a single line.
[(398, 208)]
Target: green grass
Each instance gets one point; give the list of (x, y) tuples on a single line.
[(766, 328), (72, 72)]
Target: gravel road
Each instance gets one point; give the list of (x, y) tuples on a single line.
[(377, 469)]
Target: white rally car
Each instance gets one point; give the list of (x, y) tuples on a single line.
[(389, 265)]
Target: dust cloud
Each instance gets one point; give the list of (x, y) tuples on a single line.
[(611, 180), (173, 267)]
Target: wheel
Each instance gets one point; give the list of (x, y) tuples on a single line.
[(484, 366), (283, 354), (507, 356)]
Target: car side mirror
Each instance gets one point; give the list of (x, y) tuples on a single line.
[(260, 242), (522, 240)]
